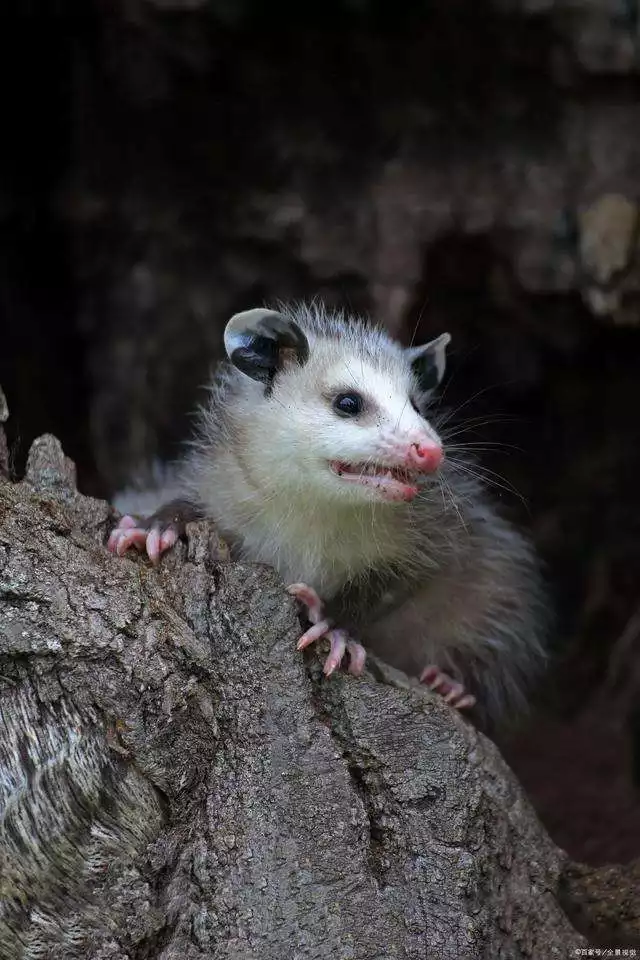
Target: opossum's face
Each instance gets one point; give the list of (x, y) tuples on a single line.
[(344, 423), (354, 431)]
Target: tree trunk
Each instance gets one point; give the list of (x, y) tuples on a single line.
[(177, 782)]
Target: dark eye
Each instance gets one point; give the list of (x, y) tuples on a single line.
[(348, 404)]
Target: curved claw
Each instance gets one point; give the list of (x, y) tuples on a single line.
[(126, 536), (314, 633), (158, 541), (341, 644), (338, 640), (465, 702), (450, 690), (357, 657), (155, 540)]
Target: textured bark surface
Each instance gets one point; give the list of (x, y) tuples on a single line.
[(604, 902), (177, 782)]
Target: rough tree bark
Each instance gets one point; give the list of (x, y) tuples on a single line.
[(177, 782)]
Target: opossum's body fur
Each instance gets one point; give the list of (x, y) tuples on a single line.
[(440, 579)]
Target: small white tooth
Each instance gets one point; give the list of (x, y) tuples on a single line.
[(388, 475)]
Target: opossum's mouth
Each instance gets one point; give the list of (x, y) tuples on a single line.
[(392, 483)]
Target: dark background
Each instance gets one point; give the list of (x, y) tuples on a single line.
[(437, 165)]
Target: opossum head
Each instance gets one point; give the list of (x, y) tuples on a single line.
[(333, 408)]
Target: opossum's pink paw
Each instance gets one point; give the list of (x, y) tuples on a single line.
[(320, 627), (340, 641), (357, 657), (155, 540), (341, 644), (308, 597), (159, 541), (127, 523), (127, 534), (315, 632), (450, 690)]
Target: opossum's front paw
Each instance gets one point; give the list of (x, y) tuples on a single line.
[(452, 692), (340, 641), (155, 539)]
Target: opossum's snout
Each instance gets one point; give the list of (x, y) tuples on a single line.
[(419, 451), (424, 457), (393, 474)]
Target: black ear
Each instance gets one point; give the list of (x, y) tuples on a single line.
[(260, 342), (429, 361)]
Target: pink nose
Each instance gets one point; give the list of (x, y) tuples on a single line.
[(424, 458)]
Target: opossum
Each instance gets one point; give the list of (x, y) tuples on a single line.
[(317, 453)]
